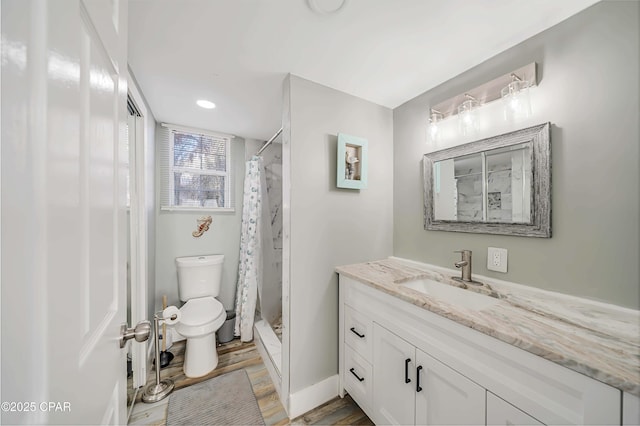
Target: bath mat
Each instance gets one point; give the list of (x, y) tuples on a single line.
[(223, 400)]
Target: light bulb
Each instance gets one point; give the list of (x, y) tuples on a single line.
[(434, 118), (467, 115), (433, 130), (515, 95), (205, 104)]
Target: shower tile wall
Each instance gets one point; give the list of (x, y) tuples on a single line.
[(469, 198), (272, 158), (499, 192), (500, 180), (468, 175), (271, 310)]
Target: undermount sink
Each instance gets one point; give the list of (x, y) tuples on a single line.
[(451, 294)]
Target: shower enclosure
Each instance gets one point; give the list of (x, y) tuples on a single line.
[(271, 302), (268, 312)]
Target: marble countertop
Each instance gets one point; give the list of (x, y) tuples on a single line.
[(596, 339)]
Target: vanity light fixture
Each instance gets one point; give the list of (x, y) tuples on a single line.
[(516, 99), (435, 117), (513, 87), (468, 120), (205, 104)]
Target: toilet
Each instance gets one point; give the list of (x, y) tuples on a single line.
[(199, 279)]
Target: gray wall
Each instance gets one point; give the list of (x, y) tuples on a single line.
[(589, 66), (330, 226), (174, 239)]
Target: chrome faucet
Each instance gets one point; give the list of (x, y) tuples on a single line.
[(465, 265)]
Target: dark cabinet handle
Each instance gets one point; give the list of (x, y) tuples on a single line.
[(353, 329), (406, 370), (360, 379), (418, 387)]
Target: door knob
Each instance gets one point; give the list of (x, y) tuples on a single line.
[(140, 332)]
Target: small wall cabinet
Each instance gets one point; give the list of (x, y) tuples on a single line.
[(405, 365)]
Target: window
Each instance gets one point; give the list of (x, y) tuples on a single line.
[(196, 171)]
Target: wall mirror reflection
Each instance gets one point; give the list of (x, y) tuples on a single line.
[(499, 185)]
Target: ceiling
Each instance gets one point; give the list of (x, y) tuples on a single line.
[(236, 53)]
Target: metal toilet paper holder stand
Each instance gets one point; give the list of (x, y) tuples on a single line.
[(162, 388)]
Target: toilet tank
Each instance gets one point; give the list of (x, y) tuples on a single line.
[(199, 276)]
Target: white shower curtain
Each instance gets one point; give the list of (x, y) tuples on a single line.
[(250, 262)]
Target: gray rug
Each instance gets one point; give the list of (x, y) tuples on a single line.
[(223, 400)]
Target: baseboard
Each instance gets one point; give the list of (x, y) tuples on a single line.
[(313, 396)]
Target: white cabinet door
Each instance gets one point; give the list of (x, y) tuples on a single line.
[(444, 396), (393, 378), (630, 410), (500, 412)]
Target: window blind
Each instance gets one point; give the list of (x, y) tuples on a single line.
[(195, 170)]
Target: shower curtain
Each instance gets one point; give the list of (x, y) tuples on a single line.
[(256, 248)]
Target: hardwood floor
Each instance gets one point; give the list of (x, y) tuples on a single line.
[(234, 356), (338, 411)]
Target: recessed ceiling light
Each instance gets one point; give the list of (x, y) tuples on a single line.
[(206, 104), (326, 7)]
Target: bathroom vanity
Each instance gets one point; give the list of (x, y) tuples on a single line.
[(415, 348)]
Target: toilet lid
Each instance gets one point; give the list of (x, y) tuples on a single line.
[(201, 311)]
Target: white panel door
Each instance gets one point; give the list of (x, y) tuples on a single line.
[(63, 210), (446, 397), (393, 378), (630, 409), (500, 412)]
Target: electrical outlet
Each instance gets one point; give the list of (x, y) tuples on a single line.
[(497, 259)]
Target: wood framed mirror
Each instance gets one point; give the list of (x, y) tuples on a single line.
[(498, 185)]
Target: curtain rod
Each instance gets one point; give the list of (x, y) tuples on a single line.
[(267, 143)]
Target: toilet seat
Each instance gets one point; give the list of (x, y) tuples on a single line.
[(200, 311), (201, 318)]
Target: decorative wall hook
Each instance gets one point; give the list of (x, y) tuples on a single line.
[(203, 226)]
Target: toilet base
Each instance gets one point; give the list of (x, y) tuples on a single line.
[(200, 355)]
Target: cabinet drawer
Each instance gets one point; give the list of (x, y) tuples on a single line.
[(358, 377), (358, 332)]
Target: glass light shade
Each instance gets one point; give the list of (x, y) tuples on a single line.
[(467, 116), (515, 97), (434, 118)]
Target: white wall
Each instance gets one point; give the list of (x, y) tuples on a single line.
[(329, 226), (588, 89), (150, 188), (150, 199), (174, 239)]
